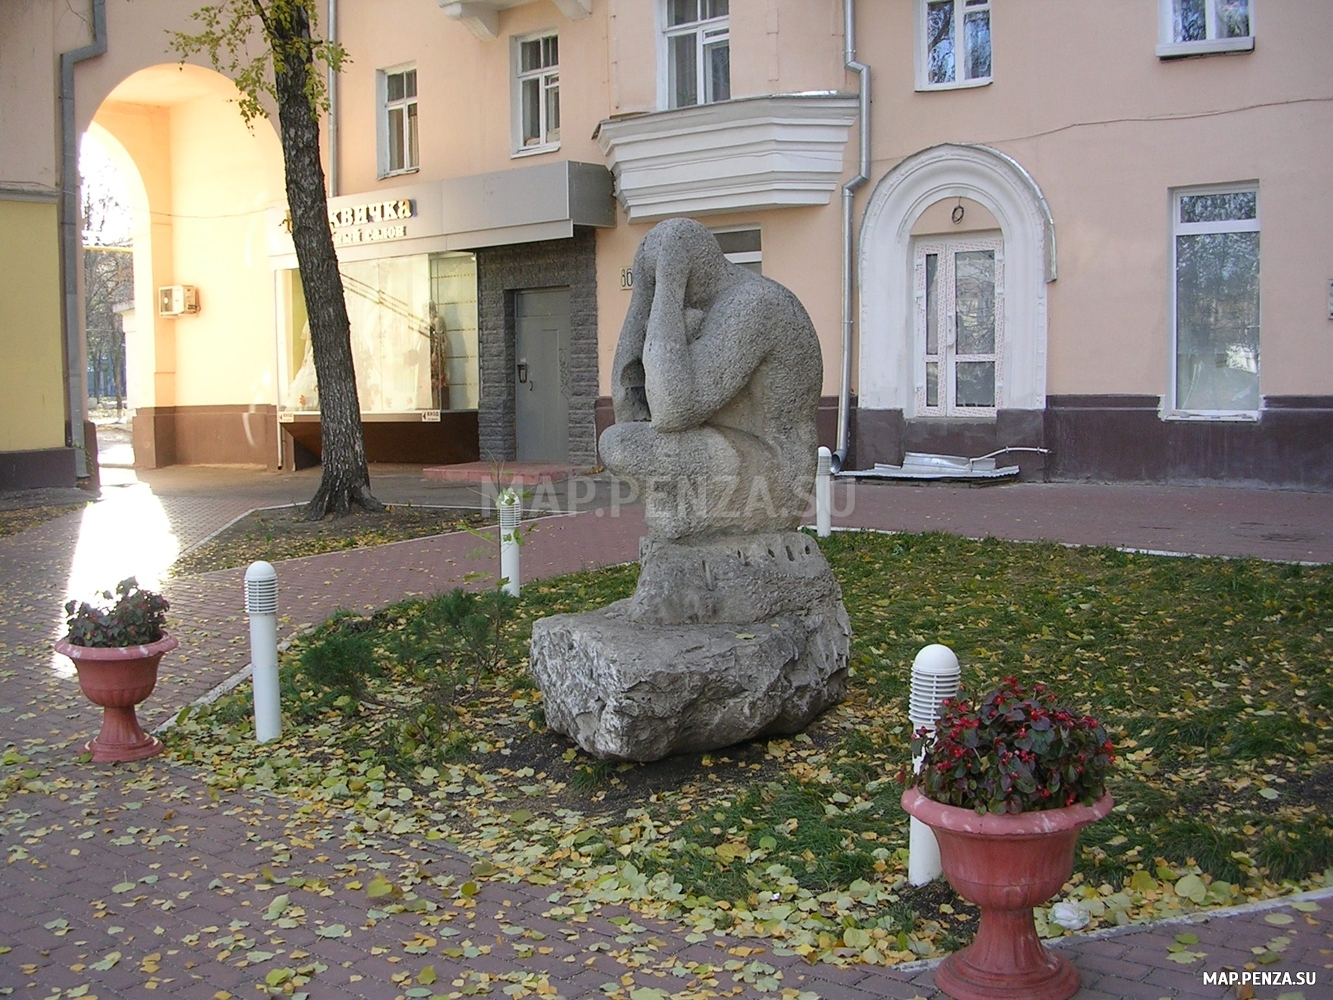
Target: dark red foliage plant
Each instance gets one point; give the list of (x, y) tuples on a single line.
[(136, 618), (1016, 750)]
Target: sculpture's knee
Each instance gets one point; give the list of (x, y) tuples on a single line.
[(627, 448)]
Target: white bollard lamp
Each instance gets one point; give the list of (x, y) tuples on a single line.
[(261, 604), (935, 676), (824, 493), (511, 513)]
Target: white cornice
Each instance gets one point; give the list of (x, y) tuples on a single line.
[(575, 10), (777, 151), (482, 17)]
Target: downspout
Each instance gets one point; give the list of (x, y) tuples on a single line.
[(75, 367), (848, 190), (333, 105)]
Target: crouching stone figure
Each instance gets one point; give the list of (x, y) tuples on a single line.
[(715, 385), (736, 629)]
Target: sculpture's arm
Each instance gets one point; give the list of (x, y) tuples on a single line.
[(628, 398), (686, 381)]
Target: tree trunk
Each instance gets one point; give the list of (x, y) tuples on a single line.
[(345, 480), (118, 366)]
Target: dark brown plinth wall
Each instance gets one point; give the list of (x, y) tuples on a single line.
[(248, 435), (1111, 438), (453, 439), (27, 470), (205, 435), (1123, 438)]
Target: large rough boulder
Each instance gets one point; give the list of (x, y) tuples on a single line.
[(723, 641)]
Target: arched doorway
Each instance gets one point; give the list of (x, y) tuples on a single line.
[(979, 288), (200, 356), (111, 197)]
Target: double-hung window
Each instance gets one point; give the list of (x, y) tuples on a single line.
[(1197, 27), (953, 43), (1216, 292), (398, 121), (537, 93), (698, 52)]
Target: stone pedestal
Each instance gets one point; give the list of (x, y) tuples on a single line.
[(724, 640)]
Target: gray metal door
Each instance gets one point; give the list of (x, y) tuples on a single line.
[(542, 377)]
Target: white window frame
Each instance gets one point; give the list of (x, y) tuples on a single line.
[(382, 126), (750, 259), (961, 7), (1171, 410), (947, 347), (548, 78), (1169, 48), (708, 31)]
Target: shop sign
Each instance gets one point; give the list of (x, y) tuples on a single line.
[(365, 223), (372, 213), (367, 219), (349, 236)]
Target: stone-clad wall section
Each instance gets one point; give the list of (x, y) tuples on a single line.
[(502, 271)]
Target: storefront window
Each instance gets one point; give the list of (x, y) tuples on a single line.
[(414, 334), (453, 287)]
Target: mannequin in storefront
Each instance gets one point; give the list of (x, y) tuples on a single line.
[(304, 391), (715, 385)]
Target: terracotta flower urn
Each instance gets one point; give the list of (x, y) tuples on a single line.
[(1006, 865), (118, 678)]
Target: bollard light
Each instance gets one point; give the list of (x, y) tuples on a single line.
[(935, 676), (261, 604), (824, 494), (511, 512)]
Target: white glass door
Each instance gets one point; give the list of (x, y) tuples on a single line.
[(959, 327)]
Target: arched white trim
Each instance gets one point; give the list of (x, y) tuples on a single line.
[(952, 170)]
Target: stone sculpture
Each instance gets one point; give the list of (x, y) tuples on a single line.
[(737, 627), (715, 385)]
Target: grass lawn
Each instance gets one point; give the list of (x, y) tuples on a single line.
[(1214, 678), (276, 533)]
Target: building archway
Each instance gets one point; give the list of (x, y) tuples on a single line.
[(201, 381), (888, 375)]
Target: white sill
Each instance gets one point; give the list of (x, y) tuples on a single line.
[(965, 85), (1239, 416), (696, 104), (1213, 46), (981, 414), (550, 147), (399, 173)]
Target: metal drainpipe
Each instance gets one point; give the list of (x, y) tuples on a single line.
[(862, 175), (76, 375), (333, 105)]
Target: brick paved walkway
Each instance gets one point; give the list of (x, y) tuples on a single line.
[(140, 877)]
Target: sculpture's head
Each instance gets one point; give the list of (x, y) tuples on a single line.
[(685, 244)]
